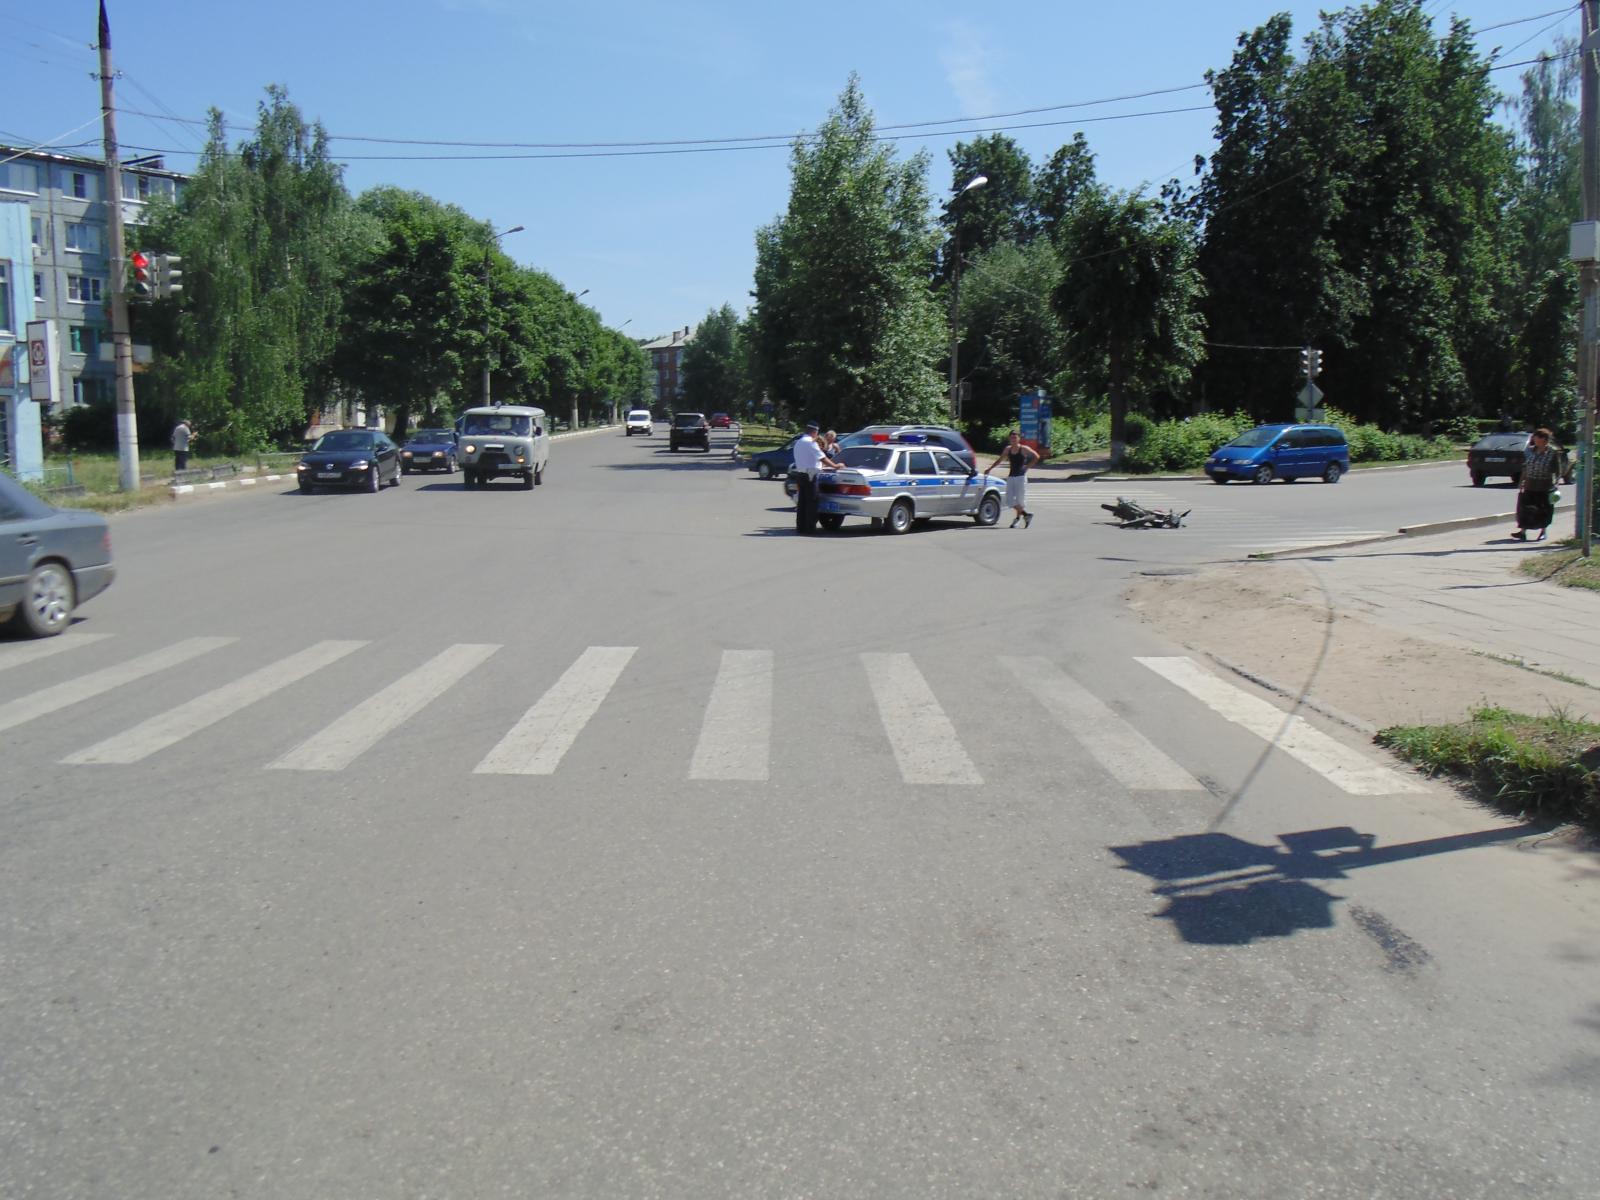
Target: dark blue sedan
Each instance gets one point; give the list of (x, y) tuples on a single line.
[(358, 458), (770, 464), (429, 450)]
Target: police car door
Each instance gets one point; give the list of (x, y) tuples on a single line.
[(926, 484), (960, 488)]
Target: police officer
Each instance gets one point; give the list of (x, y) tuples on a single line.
[(808, 460)]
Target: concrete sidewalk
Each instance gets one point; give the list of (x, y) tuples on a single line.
[(1462, 588)]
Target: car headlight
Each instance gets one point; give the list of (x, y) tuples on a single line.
[(438, 453), (471, 449), (405, 454), (301, 467), (360, 465)]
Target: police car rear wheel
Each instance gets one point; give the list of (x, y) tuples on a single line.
[(899, 518), (830, 520)]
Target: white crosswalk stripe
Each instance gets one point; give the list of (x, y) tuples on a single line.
[(1130, 757), (169, 728), (735, 741), (736, 737), (1344, 767), (27, 652), (920, 734), (86, 687), (353, 734), (547, 730)]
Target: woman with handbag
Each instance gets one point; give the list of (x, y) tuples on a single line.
[(1541, 468)]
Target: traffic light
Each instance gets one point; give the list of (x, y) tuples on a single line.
[(169, 275), (1316, 364), (141, 270)]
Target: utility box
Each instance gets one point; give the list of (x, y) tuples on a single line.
[(1583, 244)]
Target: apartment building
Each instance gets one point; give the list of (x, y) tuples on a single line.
[(62, 271), (666, 354)]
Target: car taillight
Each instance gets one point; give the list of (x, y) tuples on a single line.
[(105, 541), (846, 489)]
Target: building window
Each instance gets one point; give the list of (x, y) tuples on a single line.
[(80, 185), (83, 338), (38, 229), (144, 187), (83, 238), (19, 177), (83, 289), (5, 295), (38, 285)]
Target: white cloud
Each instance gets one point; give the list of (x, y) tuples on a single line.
[(968, 60)]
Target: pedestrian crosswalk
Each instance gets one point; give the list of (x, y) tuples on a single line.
[(1226, 528), (920, 734)]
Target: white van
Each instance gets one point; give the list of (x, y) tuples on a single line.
[(640, 421), (507, 439)]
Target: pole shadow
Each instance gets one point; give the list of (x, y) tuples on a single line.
[(1221, 890)]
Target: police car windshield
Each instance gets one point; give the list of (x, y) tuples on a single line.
[(505, 424), (871, 458)]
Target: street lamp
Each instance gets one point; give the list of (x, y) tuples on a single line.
[(977, 181), (487, 250)]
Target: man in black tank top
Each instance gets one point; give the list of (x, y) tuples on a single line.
[(1020, 457)]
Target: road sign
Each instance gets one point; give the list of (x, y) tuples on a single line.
[(1310, 395)]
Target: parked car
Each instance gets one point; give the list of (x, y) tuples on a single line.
[(51, 560), (1502, 454), (689, 429), (504, 439), (950, 439), (721, 421), (897, 483), (1290, 452), (429, 450), (639, 421), (770, 463), (362, 458)]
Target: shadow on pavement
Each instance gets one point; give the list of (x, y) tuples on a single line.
[(1221, 890)]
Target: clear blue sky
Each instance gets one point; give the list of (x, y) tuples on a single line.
[(657, 239)]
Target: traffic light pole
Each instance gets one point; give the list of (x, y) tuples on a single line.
[(121, 336)]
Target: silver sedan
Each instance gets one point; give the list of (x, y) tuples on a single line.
[(897, 484)]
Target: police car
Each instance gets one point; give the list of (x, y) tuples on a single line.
[(902, 480)]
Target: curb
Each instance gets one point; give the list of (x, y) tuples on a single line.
[(217, 485), (1408, 531), (1118, 477)]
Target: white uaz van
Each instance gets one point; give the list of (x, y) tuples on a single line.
[(507, 439)]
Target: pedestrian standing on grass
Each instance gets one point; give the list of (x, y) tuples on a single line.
[(1541, 468), (808, 460), (1020, 456), (181, 433)]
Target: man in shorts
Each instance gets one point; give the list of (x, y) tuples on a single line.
[(1020, 457)]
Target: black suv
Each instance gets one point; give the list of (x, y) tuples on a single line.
[(690, 429)]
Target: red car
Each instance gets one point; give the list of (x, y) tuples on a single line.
[(721, 421)]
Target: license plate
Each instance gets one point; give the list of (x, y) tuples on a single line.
[(329, 474), (829, 506), (1494, 458)]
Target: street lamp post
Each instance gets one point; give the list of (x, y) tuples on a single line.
[(977, 181), (488, 398), (575, 299)]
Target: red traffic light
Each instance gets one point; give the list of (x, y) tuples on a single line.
[(143, 284)]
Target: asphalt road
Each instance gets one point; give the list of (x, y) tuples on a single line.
[(606, 839)]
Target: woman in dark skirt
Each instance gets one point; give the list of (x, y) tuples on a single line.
[(1541, 467)]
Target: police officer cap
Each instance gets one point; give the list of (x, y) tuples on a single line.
[(812, 426)]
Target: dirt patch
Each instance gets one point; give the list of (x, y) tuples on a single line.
[(1276, 624)]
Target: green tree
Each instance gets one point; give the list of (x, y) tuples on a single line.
[(1006, 309), (1001, 210), (844, 322), (414, 308), (1066, 177), (713, 365), (1129, 301), (264, 231)]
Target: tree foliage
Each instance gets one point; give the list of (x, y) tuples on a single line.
[(264, 232), (844, 324), (713, 365)]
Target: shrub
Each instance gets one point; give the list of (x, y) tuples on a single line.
[(1183, 445)]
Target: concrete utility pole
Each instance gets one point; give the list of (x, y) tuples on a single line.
[(1589, 272), (977, 181), (121, 337)]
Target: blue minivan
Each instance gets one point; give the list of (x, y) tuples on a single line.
[(1270, 452)]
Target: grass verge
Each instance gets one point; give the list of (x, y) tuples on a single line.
[(1548, 765), (753, 438), (1566, 566)]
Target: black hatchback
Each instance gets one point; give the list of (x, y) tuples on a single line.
[(1503, 454), (689, 429), (350, 458)]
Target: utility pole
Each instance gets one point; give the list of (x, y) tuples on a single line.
[(1589, 271), (977, 181), (121, 337)]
